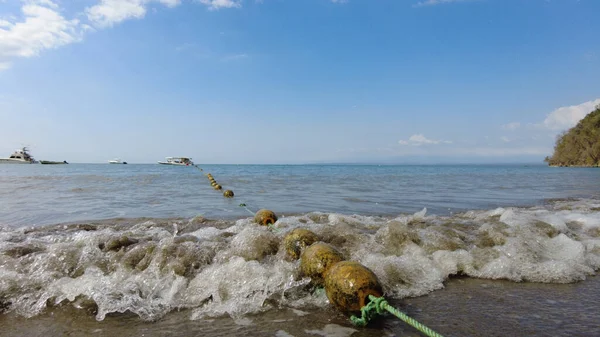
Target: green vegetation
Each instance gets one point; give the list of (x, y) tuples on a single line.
[(580, 145)]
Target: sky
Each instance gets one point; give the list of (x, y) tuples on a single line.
[(295, 81)]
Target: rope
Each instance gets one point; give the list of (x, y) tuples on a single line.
[(246, 207), (377, 305), (271, 227)]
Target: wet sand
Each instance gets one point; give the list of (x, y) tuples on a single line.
[(466, 307)]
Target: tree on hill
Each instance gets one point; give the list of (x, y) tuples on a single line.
[(580, 145)]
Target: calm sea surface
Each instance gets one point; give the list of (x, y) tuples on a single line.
[(47, 194)]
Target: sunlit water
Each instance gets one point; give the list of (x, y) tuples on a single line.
[(154, 250)]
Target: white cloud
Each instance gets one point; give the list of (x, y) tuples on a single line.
[(567, 117), (511, 126), (435, 2), (217, 4), (419, 139), (339, 1), (42, 27), (505, 139), (110, 12)]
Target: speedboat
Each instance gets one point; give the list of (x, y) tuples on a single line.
[(20, 156), (180, 161), (117, 161)]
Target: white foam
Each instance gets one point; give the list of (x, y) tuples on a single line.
[(237, 287), (238, 271), (411, 274)]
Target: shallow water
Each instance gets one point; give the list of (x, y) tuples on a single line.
[(34, 195), (523, 269)]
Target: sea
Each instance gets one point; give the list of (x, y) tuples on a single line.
[(154, 250)]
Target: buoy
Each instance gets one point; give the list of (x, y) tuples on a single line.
[(213, 184), (228, 194), (217, 186), (296, 240), (317, 259), (265, 217), (348, 285)]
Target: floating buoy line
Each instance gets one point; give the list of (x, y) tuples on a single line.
[(350, 287)]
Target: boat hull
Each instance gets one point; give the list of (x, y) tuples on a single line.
[(174, 164), (14, 161), (49, 162)]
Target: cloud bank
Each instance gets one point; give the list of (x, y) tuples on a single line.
[(42, 25)]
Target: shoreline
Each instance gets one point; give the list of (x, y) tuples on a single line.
[(465, 307)]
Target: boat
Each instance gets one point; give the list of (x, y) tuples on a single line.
[(180, 161), (117, 161), (20, 156), (50, 162)]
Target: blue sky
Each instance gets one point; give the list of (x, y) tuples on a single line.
[(290, 81)]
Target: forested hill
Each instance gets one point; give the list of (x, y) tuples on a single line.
[(580, 145)]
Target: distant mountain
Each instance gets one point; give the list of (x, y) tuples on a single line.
[(580, 145)]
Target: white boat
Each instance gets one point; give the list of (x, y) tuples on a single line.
[(117, 161), (180, 161), (20, 156)]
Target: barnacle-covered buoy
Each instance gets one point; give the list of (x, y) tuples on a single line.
[(348, 285), (298, 239), (265, 217), (317, 259), (228, 194)]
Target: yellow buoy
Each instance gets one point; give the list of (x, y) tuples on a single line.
[(217, 187), (317, 259), (265, 217), (348, 285), (298, 239), (213, 183), (228, 194)]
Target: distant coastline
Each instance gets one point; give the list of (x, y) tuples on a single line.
[(579, 166)]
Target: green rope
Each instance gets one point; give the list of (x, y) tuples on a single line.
[(377, 305)]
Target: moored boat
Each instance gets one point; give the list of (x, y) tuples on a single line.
[(179, 161), (117, 161), (50, 162), (20, 156)]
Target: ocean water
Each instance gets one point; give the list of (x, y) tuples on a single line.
[(469, 250)]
